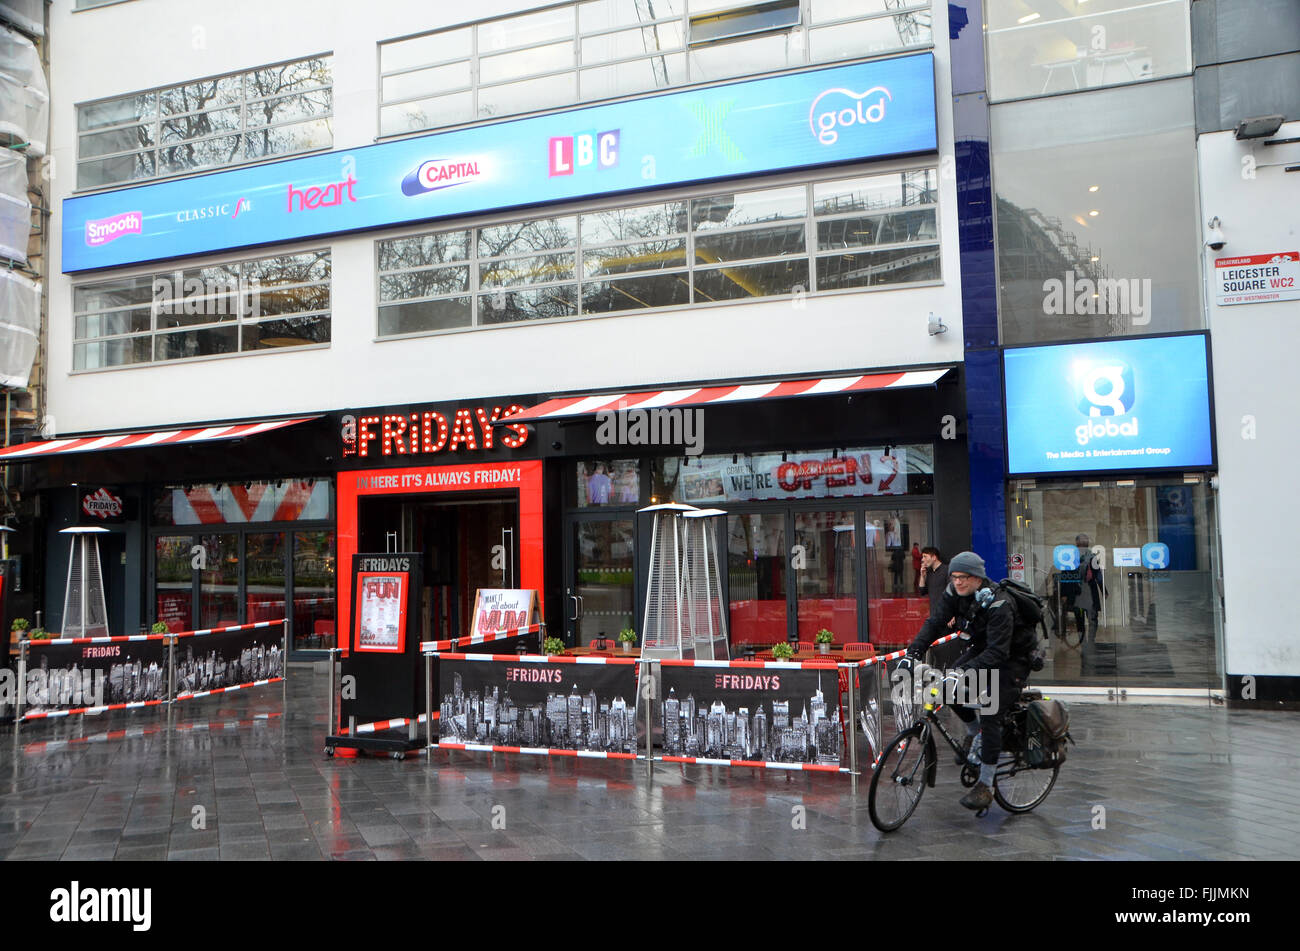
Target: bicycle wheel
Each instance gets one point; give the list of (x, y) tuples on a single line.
[(1018, 788), (899, 780)]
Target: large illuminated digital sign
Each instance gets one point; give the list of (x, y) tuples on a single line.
[(819, 117), (1111, 405)]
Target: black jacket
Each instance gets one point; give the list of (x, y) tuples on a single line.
[(992, 631), (936, 583)]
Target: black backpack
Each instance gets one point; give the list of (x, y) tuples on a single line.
[(1047, 730), (1030, 622)]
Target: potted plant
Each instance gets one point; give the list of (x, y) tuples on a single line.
[(40, 634), (601, 641), (627, 638), (824, 639), (782, 651), (19, 628), (553, 645), (158, 628)]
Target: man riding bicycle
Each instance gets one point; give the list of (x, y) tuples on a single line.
[(996, 645)]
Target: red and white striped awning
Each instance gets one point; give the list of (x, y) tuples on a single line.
[(162, 437), (734, 393)]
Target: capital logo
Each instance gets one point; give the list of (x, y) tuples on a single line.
[(586, 150), (435, 174), (104, 230), (102, 504), (1155, 555), (1105, 389), (836, 110)]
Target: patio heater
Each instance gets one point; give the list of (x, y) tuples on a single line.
[(706, 620), (85, 612), (665, 630)]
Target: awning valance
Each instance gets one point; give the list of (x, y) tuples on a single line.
[(161, 437)]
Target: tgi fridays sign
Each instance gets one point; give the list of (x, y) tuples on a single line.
[(429, 431), (101, 506), (1257, 278)]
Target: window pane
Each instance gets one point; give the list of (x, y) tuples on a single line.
[(219, 581), (627, 44), (655, 72), (200, 96), (879, 229), (125, 168), (737, 22), (649, 290), (447, 280), (296, 76), (540, 304), (526, 96), (1137, 149), (423, 50), (288, 108), (111, 353), (1063, 49), (741, 58), (876, 191), (116, 140), (626, 258), (199, 125), (754, 280), (540, 234), (114, 293), (729, 211), (198, 310), (529, 62), (173, 577), (850, 40), (314, 606), (522, 30), (602, 14), (826, 10), (313, 134), (198, 343), (293, 301), (117, 111), (426, 114), (423, 250), (762, 243), (426, 82), (108, 325), (536, 270), (423, 316), (201, 154), (290, 332), (264, 577), (289, 268), (898, 266), (644, 221)]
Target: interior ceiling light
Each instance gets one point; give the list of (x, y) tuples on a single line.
[(1094, 213), (1093, 188)]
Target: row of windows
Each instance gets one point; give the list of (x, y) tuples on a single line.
[(868, 231), (206, 310)]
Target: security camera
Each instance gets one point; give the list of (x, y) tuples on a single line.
[(1214, 239), (936, 325)]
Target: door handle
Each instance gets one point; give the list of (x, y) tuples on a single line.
[(582, 606), (574, 599)]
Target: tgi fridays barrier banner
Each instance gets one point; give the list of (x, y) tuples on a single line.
[(71, 675), (212, 662), (853, 473), (751, 713), (580, 706)]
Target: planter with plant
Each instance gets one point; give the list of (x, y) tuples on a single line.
[(40, 634), (782, 651), (158, 628), (553, 645), (627, 638), (824, 639), (18, 629)]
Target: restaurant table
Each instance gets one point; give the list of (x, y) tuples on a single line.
[(614, 650)]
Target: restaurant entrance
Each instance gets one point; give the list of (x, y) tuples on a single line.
[(468, 542)]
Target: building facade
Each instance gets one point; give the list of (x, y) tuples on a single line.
[(771, 258)]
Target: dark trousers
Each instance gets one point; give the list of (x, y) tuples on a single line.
[(1010, 679)]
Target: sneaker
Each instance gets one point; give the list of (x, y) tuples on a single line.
[(970, 751), (981, 797)]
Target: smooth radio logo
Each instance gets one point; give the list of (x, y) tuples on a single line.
[(587, 150), (1105, 390), (837, 110), (435, 174), (104, 230)]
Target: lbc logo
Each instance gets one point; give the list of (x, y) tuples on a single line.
[(1105, 389), (583, 151)]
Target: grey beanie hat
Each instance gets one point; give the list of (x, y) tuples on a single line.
[(969, 563)]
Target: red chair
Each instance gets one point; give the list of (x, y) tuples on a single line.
[(804, 647)]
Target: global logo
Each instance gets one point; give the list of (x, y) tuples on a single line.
[(435, 174), (841, 109), (1155, 555), (1065, 558), (1105, 390), (104, 230)]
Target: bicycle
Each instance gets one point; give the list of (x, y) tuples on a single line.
[(910, 762)]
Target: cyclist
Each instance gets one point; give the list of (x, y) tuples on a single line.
[(995, 644)]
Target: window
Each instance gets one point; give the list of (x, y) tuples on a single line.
[(869, 231), (1039, 48), (600, 49), (226, 120), (1096, 236), (202, 311), (89, 4)]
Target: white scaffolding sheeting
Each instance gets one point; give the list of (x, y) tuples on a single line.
[(20, 322), (24, 93), (27, 15), (15, 209)]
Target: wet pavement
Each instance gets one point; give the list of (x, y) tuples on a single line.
[(243, 776)]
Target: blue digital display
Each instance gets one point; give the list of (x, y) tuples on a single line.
[(820, 117), (1123, 404)]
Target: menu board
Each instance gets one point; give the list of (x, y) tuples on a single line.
[(381, 612)]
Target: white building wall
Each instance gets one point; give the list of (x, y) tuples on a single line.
[(1254, 350), (147, 43)]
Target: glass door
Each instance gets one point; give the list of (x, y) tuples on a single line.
[(601, 596), (757, 561), (892, 540), (825, 571)]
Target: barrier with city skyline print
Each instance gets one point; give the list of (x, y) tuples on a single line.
[(219, 659)]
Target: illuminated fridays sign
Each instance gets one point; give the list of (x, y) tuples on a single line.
[(430, 432), (819, 117)]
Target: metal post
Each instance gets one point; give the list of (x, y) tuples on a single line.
[(171, 668), (853, 729), (649, 724), (22, 682), (428, 703), (284, 671), (331, 725)]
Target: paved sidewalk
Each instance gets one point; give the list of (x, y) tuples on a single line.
[(1176, 782)]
